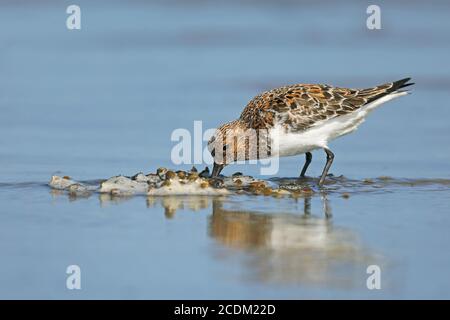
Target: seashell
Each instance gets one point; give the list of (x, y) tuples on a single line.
[(78, 189), (238, 182), (192, 176), (181, 174), (170, 175), (205, 173), (204, 184), (161, 172)]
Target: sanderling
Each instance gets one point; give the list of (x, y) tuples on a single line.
[(297, 119)]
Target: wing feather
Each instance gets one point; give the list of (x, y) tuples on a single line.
[(301, 106)]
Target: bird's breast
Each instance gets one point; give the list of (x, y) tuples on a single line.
[(290, 144)]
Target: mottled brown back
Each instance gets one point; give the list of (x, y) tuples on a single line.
[(300, 106)]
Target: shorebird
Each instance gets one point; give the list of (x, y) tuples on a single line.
[(298, 119)]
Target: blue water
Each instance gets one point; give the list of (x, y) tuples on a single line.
[(104, 100)]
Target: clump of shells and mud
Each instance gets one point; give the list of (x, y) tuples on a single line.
[(167, 182)]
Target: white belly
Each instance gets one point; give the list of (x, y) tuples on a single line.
[(318, 136)]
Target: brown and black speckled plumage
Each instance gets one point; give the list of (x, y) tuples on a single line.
[(300, 106)]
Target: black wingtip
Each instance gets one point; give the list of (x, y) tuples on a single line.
[(392, 87), (396, 85)]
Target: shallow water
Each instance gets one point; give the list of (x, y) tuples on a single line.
[(104, 101)]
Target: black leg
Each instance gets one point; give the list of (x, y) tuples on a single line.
[(307, 162), (330, 157), (216, 170)]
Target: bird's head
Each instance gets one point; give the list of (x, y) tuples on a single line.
[(226, 143), (234, 141)]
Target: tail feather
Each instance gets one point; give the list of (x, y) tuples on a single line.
[(396, 85), (389, 88)]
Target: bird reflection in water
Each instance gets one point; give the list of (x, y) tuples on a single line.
[(301, 248), (286, 248)]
